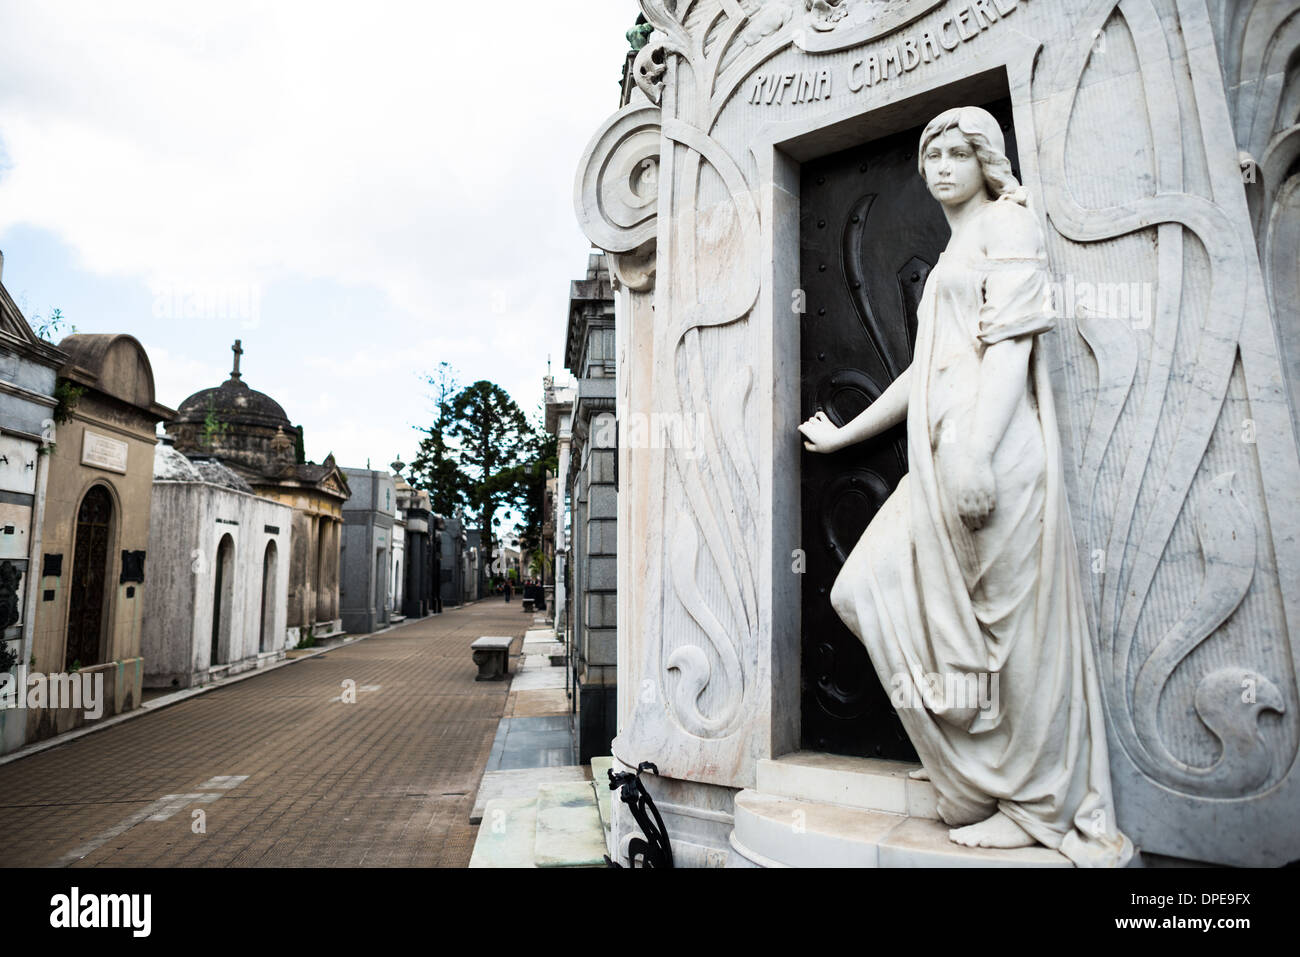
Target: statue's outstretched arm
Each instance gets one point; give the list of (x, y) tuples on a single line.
[(822, 435)]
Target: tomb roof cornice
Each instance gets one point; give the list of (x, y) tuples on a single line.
[(117, 368), (17, 334)]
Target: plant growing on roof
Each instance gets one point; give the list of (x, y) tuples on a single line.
[(213, 426), (66, 396)]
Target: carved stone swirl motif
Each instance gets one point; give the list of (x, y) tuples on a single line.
[(718, 480), (1132, 545), (616, 195), (1261, 62)]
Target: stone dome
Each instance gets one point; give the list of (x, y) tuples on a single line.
[(244, 428), (234, 403)]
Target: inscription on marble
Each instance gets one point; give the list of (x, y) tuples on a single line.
[(101, 452), (805, 87), (962, 23)]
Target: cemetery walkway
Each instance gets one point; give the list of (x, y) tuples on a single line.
[(278, 770)]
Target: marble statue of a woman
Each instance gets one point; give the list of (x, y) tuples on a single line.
[(969, 570)]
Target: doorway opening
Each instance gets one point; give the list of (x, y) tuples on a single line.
[(88, 599), (266, 633), (870, 232), (223, 593)]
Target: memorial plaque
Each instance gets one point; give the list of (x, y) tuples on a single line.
[(102, 452)]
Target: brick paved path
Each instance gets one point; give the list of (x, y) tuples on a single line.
[(388, 781)]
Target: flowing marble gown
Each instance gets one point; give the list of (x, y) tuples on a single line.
[(928, 596)]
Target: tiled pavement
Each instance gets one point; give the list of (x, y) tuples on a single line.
[(387, 781), (545, 742), (534, 744)]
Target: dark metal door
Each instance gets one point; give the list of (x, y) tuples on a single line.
[(89, 578), (869, 234), (222, 586), (267, 616)]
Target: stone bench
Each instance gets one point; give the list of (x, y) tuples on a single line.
[(530, 604), (492, 655)]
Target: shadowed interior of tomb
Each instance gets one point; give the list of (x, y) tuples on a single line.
[(869, 234)]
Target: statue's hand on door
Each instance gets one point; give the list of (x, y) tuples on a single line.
[(821, 434)]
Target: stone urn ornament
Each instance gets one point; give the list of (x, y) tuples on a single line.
[(968, 575)]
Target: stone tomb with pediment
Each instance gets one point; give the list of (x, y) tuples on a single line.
[(248, 431), (770, 237)]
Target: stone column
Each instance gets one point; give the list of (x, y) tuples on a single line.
[(597, 679), (579, 565), (332, 565)]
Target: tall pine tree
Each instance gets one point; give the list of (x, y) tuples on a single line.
[(492, 440), (436, 468)]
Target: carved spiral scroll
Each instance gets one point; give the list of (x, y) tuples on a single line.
[(616, 193)]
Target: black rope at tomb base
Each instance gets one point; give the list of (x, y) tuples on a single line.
[(654, 850)]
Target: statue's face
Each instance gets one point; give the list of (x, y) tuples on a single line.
[(952, 170)]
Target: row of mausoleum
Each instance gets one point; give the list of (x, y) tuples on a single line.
[(161, 550)]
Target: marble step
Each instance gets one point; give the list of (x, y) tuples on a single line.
[(569, 830), (518, 783), (507, 835), (775, 831), (600, 768), (870, 784), (543, 649)]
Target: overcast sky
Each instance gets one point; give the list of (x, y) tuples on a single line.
[(356, 191)]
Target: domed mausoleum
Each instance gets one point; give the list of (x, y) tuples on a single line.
[(246, 429), (249, 432)]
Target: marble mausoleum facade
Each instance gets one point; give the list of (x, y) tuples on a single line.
[(758, 196)]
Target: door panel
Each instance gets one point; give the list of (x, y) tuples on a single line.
[(89, 579), (869, 234)]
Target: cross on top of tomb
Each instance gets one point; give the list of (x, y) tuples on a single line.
[(238, 350)]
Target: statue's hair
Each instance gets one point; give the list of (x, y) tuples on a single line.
[(982, 132)]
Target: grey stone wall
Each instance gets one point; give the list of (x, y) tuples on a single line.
[(592, 484), (451, 542), (188, 520), (365, 556)]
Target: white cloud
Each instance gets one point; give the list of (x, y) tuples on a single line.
[(421, 153), (176, 377)]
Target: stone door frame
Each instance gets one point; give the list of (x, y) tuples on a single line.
[(779, 150)]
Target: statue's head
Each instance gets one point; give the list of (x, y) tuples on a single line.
[(963, 151)]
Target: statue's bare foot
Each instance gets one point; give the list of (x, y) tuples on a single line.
[(997, 831), (920, 774)]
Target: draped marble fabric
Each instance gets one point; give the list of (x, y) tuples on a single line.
[(928, 596)]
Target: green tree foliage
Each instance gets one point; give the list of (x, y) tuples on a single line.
[(436, 467), (493, 440), (482, 454), (51, 328), (541, 458)]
